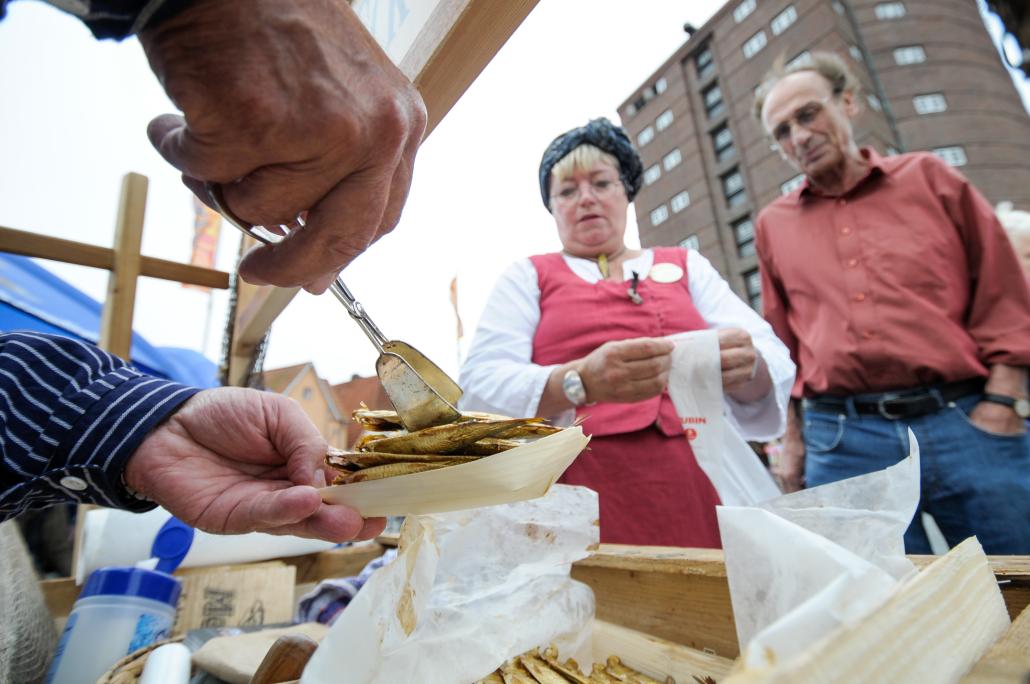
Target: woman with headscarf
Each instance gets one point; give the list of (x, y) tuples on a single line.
[(581, 332)]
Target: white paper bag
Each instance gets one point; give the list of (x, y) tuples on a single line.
[(467, 591), (695, 385)]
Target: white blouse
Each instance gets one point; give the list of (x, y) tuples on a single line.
[(499, 376)]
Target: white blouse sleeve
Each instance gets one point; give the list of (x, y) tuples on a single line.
[(498, 375), (766, 418)]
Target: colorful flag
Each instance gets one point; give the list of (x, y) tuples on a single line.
[(207, 224)]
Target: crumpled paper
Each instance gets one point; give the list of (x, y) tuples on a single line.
[(806, 563), (468, 590)]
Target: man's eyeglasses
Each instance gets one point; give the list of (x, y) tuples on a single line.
[(803, 116), (570, 194)]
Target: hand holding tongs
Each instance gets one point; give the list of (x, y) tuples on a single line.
[(422, 393)]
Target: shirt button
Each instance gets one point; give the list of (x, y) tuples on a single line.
[(846, 230), (76, 484), (859, 297), (852, 263)]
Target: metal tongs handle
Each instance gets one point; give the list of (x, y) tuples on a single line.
[(268, 237)]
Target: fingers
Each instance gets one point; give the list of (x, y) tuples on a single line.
[(642, 348), (731, 338), (175, 141)]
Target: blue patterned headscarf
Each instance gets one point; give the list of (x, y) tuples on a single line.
[(604, 135)]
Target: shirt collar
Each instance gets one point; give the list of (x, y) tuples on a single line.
[(877, 166)]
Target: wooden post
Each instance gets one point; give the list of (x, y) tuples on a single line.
[(116, 319), (116, 322)]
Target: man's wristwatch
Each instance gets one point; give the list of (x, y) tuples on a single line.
[(1020, 405), (572, 386)]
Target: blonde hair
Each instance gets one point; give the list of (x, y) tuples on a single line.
[(827, 64), (581, 158)]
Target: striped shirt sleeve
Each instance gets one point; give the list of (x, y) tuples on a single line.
[(71, 415), (116, 19)]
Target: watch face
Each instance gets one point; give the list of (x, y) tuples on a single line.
[(1022, 407)]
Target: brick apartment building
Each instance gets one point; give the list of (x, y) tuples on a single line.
[(931, 77)]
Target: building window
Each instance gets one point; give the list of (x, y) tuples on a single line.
[(744, 235), (930, 104), (782, 21), (704, 64), (754, 44), (753, 286), (910, 54), (733, 188), (722, 141), (874, 102), (890, 10), (672, 160), (645, 136), (953, 156), (680, 202), (659, 215), (307, 393), (690, 242), (855, 53), (652, 174), (802, 58), (664, 120), (744, 10), (713, 101), (792, 185), (838, 7), (661, 85), (891, 150), (631, 109)]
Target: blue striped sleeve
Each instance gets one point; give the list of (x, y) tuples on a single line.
[(71, 415)]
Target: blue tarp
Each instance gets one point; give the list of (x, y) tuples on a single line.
[(33, 298)]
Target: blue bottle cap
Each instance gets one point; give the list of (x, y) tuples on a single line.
[(171, 545), (140, 582)]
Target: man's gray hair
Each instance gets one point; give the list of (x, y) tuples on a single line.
[(829, 65)]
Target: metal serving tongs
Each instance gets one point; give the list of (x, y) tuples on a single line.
[(422, 393)]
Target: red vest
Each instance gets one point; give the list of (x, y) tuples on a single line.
[(577, 317)]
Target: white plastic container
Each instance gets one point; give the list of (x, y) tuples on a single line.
[(118, 611)]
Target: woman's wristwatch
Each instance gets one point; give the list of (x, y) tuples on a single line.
[(572, 386)]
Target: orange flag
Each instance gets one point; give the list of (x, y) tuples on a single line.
[(207, 224)]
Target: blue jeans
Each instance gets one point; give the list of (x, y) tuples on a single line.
[(974, 482)]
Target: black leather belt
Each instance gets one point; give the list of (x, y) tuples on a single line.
[(900, 404)]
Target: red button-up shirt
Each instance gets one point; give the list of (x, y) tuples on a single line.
[(906, 280)]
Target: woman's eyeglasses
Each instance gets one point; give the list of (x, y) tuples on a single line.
[(601, 187)]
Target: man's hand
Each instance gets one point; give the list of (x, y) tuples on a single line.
[(293, 107), (996, 418), (627, 370), (745, 377), (789, 465), (237, 460)]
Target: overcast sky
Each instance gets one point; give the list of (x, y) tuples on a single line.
[(74, 119)]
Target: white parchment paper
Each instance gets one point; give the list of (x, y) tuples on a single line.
[(805, 563), (467, 591)]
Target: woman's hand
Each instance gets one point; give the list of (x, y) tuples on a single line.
[(745, 377), (237, 460), (627, 370)]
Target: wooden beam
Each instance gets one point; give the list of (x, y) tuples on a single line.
[(29, 244), (116, 321), (1008, 660), (455, 45), (452, 47)]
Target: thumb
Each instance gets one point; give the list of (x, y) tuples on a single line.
[(275, 509), (171, 137)]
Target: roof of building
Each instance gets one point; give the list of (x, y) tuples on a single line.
[(280, 379), (349, 395)]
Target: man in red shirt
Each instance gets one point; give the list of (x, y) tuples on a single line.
[(903, 305)]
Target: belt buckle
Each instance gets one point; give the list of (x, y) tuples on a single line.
[(881, 407)]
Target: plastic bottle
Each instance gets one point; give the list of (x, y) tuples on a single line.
[(118, 611)]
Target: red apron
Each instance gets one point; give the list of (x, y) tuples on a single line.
[(651, 490)]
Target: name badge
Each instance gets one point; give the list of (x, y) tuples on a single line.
[(665, 273)]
